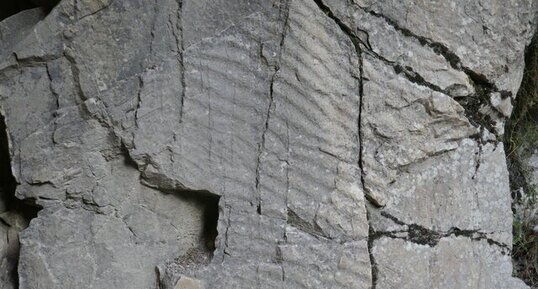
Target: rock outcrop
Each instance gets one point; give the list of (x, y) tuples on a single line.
[(262, 144)]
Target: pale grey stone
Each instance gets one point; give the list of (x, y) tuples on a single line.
[(13, 30), (471, 30), (532, 164), (341, 144), (418, 152), (456, 262), (188, 283)]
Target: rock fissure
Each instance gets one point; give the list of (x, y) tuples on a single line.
[(310, 228), (15, 214), (319, 137), (226, 233), (75, 71), (406, 71), (284, 10), (372, 236), (483, 87), (423, 236), (32, 61), (180, 46), (137, 108), (357, 42), (471, 103), (441, 49), (103, 4), (55, 113)]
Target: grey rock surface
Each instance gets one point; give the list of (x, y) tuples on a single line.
[(263, 144), (473, 264), (532, 163)]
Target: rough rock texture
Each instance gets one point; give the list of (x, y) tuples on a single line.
[(263, 144)]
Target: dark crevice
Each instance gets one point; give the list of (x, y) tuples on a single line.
[(211, 220), (371, 232), (452, 58), (416, 78), (128, 161), (197, 257), (525, 115), (483, 87), (423, 236), (75, 72), (521, 141), (437, 47), (343, 27), (310, 228), (284, 10), (416, 234), (11, 7), (15, 214), (177, 32), (205, 200), (472, 103), (358, 43), (372, 236), (209, 203)]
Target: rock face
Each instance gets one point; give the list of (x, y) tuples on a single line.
[(263, 144)]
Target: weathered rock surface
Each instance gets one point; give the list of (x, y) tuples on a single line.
[(263, 144)]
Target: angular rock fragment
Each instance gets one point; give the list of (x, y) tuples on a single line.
[(188, 283)]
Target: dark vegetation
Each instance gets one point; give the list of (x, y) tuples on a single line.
[(521, 139)]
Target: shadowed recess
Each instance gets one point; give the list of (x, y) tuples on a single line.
[(15, 215), (209, 203), (211, 219), (12, 7)]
